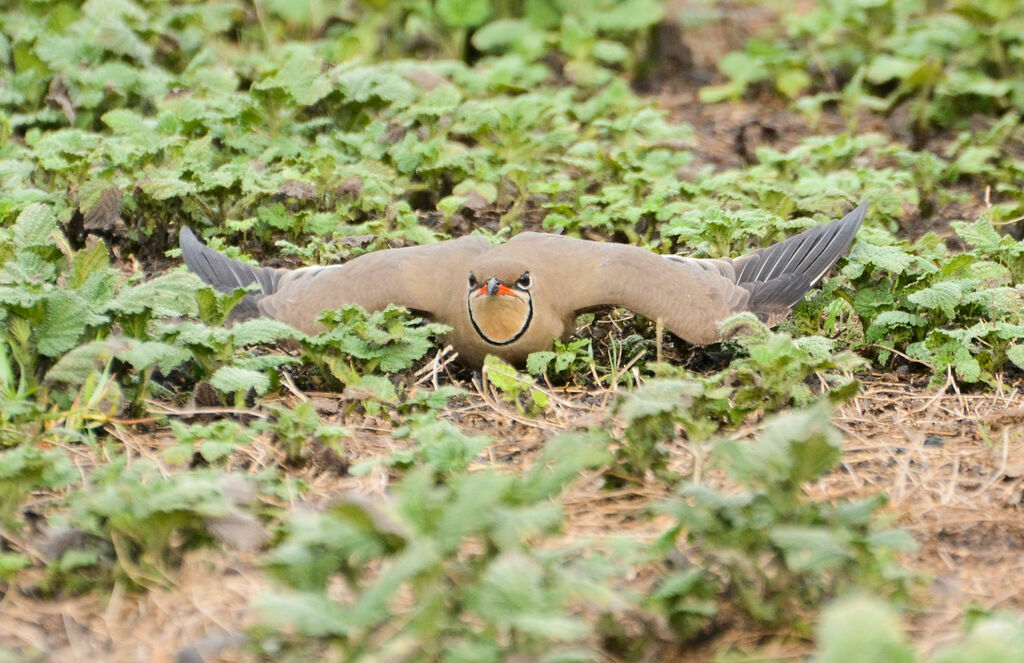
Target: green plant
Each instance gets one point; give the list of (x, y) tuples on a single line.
[(871, 627), (566, 359), (514, 387), (357, 342), (941, 60), (212, 442), (27, 468), (653, 413), (949, 313), (439, 445), (770, 548), (463, 550), (295, 428), (776, 369), (151, 518), (60, 312)]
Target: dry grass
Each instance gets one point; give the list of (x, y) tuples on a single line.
[(949, 461)]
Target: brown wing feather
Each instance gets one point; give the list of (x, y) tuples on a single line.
[(574, 276), (429, 279), (690, 296)]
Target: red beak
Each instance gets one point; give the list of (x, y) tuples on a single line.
[(494, 287)]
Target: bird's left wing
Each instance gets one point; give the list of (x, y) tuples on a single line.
[(690, 296), (574, 276)]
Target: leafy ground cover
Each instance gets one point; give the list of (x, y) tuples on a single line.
[(174, 487)]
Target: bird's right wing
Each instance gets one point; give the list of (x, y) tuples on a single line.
[(429, 279), (226, 274)]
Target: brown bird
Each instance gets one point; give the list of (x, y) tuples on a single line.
[(515, 298)]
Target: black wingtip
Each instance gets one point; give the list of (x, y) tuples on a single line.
[(855, 218), (213, 267), (225, 274), (781, 275), (188, 243)]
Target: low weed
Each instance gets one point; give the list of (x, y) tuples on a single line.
[(769, 548), (464, 551)]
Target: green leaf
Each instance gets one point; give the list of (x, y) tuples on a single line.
[(538, 362), (214, 450), (890, 258), (976, 159), (792, 82), (168, 295), (1016, 355), (34, 226), (561, 462), (656, 397), (259, 331), (883, 68), (311, 613), (809, 549), (611, 52), (887, 321), (62, 325), (794, 447), (232, 380), (463, 13), (713, 94), (124, 121), (144, 354), (87, 263), (503, 33), (980, 234), (78, 364), (446, 447), (860, 628), (167, 188), (995, 638), (513, 385), (10, 564), (372, 388), (894, 539), (627, 15), (943, 296), (742, 67), (299, 77), (26, 468), (967, 367)]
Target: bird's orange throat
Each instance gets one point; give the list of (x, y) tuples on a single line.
[(502, 318)]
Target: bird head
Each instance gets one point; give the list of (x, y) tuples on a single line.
[(499, 302)]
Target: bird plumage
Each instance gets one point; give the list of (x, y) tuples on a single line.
[(567, 276)]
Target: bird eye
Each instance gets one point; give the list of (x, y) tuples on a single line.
[(472, 280), (525, 281)]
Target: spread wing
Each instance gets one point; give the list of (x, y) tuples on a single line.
[(226, 274), (690, 296), (420, 278)]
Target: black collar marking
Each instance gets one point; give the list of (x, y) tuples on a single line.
[(526, 325)]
